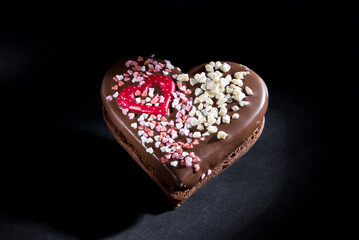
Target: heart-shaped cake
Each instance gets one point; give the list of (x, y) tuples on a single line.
[(183, 129)]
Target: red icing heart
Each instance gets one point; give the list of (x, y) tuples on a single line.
[(126, 98)]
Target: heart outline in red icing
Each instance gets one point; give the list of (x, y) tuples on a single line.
[(126, 98)]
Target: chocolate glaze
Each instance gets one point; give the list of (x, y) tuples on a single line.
[(211, 151)]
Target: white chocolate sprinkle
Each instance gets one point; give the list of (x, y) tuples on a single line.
[(212, 129), (174, 163), (209, 68), (248, 91), (226, 119), (243, 103), (182, 77), (149, 150), (225, 67), (235, 108), (218, 65), (196, 135), (222, 135)]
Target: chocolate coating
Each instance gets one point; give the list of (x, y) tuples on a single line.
[(211, 151)]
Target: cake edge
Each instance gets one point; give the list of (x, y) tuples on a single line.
[(179, 196)]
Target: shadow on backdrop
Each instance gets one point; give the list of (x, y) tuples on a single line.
[(83, 184)]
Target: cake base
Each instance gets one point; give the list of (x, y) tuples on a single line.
[(179, 196)]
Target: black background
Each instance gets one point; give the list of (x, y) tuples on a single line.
[(63, 176)]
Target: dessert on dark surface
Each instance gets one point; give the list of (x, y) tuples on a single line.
[(183, 129)]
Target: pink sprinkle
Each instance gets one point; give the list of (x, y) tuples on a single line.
[(130, 72), (120, 83), (179, 156), (175, 155), (158, 128), (164, 160), (144, 93), (142, 123), (190, 134), (127, 79), (191, 154), (184, 99), (150, 133), (128, 63), (174, 76), (148, 73), (195, 142), (155, 99), (179, 114), (162, 98), (115, 87), (170, 141), (196, 159), (154, 62), (183, 88), (138, 93), (187, 91), (188, 164), (125, 111), (142, 82), (159, 116), (164, 140), (152, 125), (171, 123), (189, 119), (188, 108), (157, 69), (201, 138), (163, 119), (209, 171), (140, 79), (169, 131), (168, 156), (203, 176), (131, 115), (139, 59), (109, 98), (196, 167), (135, 74)]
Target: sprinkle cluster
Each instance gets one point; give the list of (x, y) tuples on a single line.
[(195, 118), (213, 95)]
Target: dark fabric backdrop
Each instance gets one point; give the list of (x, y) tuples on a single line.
[(63, 176)]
